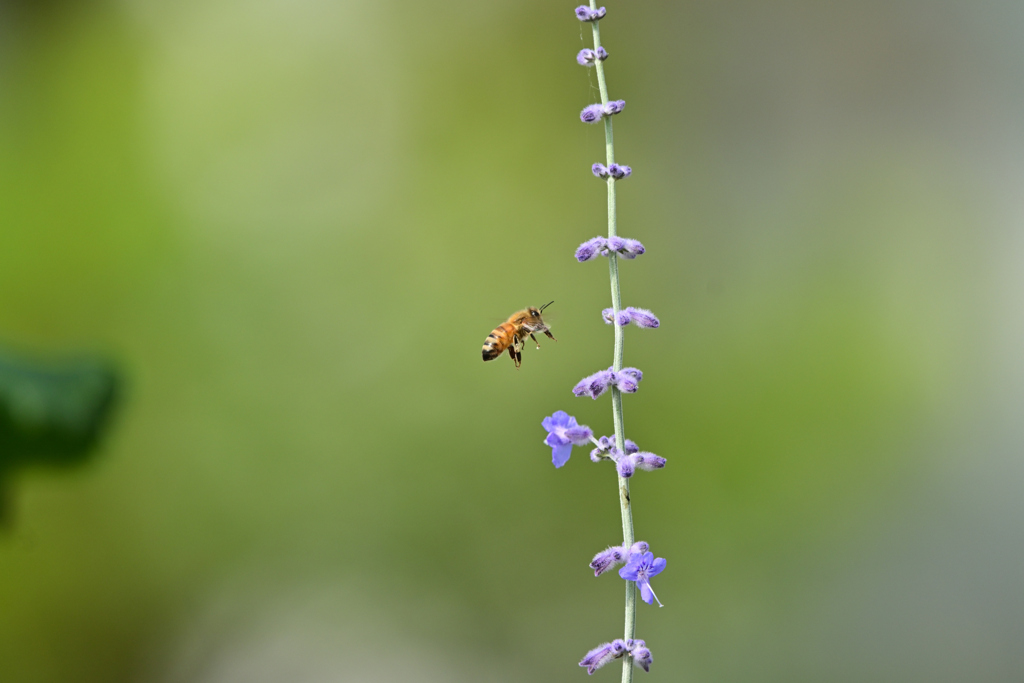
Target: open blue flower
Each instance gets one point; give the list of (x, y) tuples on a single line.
[(640, 568), (563, 434)]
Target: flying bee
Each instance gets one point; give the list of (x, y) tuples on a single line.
[(512, 334)]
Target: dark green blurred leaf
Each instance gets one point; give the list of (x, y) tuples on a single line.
[(52, 413)]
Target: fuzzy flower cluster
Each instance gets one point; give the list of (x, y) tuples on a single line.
[(626, 380), (626, 464), (617, 649), (641, 566), (584, 13), (616, 171), (588, 57), (606, 449), (593, 113), (603, 246), (640, 317)]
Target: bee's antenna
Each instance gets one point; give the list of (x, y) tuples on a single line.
[(546, 305)]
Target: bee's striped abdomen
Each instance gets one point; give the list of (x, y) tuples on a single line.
[(498, 340)]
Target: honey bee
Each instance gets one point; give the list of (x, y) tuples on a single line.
[(512, 334)]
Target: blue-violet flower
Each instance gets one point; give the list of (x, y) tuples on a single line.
[(600, 170), (563, 434), (602, 54), (640, 568)]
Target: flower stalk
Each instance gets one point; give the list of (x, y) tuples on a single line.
[(625, 509), (563, 430)]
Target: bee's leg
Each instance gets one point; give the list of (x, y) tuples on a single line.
[(548, 333), (535, 340), (515, 350)]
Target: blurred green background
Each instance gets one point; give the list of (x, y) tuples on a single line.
[(291, 223)]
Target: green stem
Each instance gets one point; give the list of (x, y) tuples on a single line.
[(620, 433)]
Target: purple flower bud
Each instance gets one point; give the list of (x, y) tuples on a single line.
[(586, 57), (648, 461), (582, 387), (602, 54), (592, 113), (599, 382), (626, 383), (642, 658), (616, 243), (608, 314), (624, 318), (639, 547), (643, 318), (625, 466), (634, 372), (632, 248), (584, 13), (614, 107), (579, 435), (631, 447), (602, 654), (619, 172), (603, 450), (606, 559), (590, 249), (600, 170)]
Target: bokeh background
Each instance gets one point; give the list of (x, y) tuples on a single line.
[(291, 224)]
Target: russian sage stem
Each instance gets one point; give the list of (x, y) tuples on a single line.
[(629, 627), (564, 432)]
